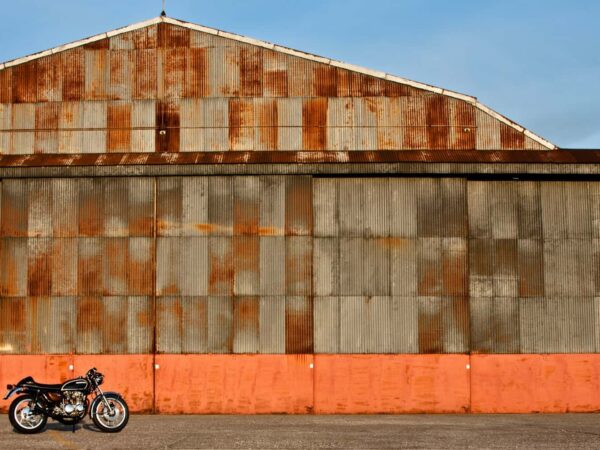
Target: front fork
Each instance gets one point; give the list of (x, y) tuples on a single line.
[(106, 403)]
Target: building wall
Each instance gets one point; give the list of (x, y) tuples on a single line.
[(167, 88), (306, 294)]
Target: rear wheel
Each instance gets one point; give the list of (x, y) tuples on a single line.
[(110, 418), (23, 417)]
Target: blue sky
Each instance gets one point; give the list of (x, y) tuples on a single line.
[(535, 61)]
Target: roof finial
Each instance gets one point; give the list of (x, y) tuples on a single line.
[(164, 10)]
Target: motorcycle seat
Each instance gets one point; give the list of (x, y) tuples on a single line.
[(44, 387)]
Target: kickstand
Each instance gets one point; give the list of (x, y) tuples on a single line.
[(73, 427)]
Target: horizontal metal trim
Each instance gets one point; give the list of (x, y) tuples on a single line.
[(481, 170), (306, 157)]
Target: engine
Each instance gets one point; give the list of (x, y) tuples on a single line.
[(73, 404)]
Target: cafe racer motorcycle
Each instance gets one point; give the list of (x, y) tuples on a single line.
[(67, 403)]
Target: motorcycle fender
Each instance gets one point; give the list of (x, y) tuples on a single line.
[(14, 390), (99, 399)]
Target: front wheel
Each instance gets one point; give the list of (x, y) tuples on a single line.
[(24, 418), (110, 412)]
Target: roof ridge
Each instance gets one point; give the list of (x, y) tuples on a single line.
[(292, 52)]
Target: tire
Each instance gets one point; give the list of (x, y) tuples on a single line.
[(21, 418), (103, 418)]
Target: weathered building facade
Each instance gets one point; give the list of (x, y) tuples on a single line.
[(223, 225)]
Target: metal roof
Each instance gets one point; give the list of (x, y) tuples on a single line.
[(277, 48)]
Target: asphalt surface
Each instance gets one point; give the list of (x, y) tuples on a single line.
[(581, 431)]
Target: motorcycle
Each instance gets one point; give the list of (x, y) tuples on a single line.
[(67, 403)]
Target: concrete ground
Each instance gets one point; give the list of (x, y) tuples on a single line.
[(348, 432)]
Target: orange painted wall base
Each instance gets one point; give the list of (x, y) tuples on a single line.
[(330, 384)]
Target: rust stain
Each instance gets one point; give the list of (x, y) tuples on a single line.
[(139, 276), (276, 82), (268, 123), (102, 44), (49, 77), (246, 253), (25, 82), (437, 122), (314, 124), (174, 72), (119, 127), (196, 73), (246, 215), (455, 274), (73, 75), (511, 139), (172, 36), (221, 276), (325, 81), (430, 331), (393, 242), (6, 91), (270, 231), (39, 270), (167, 131), (371, 86), (246, 314), (251, 72), (241, 121), (97, 82), (299, 326), (116, 254), (144, 75), (298, 209)]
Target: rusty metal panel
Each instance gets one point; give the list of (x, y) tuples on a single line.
[(273, 266), (404, 320), (246, 324), (116, 207), (327, 324), (272, 205), (578, 210), (97, 74), (220, 266), (488, 132), (404, 264), (49, 77), (220, 324), (403, 207), (91, 206), (326, 267), (90, 312), (221, 205), (145, 75), (40, 208), (140, 324), (289, 120), (567, 267), (463, 125), (13, 276), (143, 122), (272, 324), (504, 209), (114, 326), (174, 71), (530, 210), (89, 270), (430, 267), (194, 206), (414, 117), (314, 123), (246, 264), (46, 126), (182, 325), (267, 127), (224, 71), (353, 326), (506, 271), (365, 124), (241, 124), (557, 324), (510, 138), (140, 255), (14, 325), (495, 325), (216, 124), (298, 265), (140, 196), (53, 324), (169, 206), (531, 267), (94, 138), (39, 266), (299, 325), (298, 206), (443, 324), (6, 90), (326, 207), (114, 266), (73, 80), (390, 130), (192, 135), (70, 123), (14, 208), (24, 82), (64, 266), (481, 268), (121, 63), (340, 122), (275, 77), (246, 205), (352, 206), (65, 207)]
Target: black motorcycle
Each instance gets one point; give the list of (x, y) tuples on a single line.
[(67, 403)]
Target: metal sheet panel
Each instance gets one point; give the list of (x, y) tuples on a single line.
[(272, 324), (443, 325), (299, 325), (557, 325), (246, 324), (495, 325), (273, 206), (326, 324), (220, 324), (273, 265), (326, 206)]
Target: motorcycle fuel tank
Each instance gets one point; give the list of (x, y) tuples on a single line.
[(78, 384)]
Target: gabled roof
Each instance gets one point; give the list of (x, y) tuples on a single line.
[(278, 48)]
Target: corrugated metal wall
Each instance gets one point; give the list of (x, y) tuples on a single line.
[(295, 264), (166, 88)]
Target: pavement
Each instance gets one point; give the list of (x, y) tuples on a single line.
[(581, 431)]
